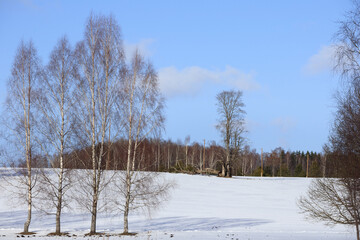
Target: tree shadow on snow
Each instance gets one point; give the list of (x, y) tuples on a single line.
[(193, 224)]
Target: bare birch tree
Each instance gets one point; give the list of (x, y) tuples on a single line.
[(141, 106), (19, 117), (54, 104), (230, 108), (100, 58)]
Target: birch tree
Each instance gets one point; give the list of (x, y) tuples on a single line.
[(100, 58), (141, 106), (20, 119), (54, 106)]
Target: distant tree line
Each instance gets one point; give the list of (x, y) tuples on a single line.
[(160, 155)]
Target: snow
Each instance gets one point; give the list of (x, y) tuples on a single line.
[(200, 207)]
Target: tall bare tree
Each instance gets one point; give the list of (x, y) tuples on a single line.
[(230, 108), (100, 56), (337, 201), (20, 119), (141, 106), (54, 106)]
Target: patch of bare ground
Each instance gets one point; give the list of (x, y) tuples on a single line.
[(100, 234), (128, 234), (66, 234)]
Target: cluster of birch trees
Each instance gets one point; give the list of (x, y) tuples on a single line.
[(85, 97)]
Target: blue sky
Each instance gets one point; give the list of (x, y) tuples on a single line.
[(277, 52)]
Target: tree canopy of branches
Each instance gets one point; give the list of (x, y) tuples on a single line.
[(230, 108), (344, 138), (347, 55)]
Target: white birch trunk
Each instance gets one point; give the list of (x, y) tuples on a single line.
[(28, 150)]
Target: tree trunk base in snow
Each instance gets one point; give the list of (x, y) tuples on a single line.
[(95, 234), (224, 176), (27, 233)]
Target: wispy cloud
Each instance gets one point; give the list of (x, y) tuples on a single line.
[(284, 127), (251, 124), (191, 79), (321, 61), (285, 124), (144, 46)]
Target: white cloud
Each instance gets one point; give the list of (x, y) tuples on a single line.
[(144, 46), (191, 79), (321, 61)]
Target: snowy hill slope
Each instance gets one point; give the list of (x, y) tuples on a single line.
[(201, 207)]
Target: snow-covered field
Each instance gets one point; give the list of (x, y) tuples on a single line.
[(201, 207)]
